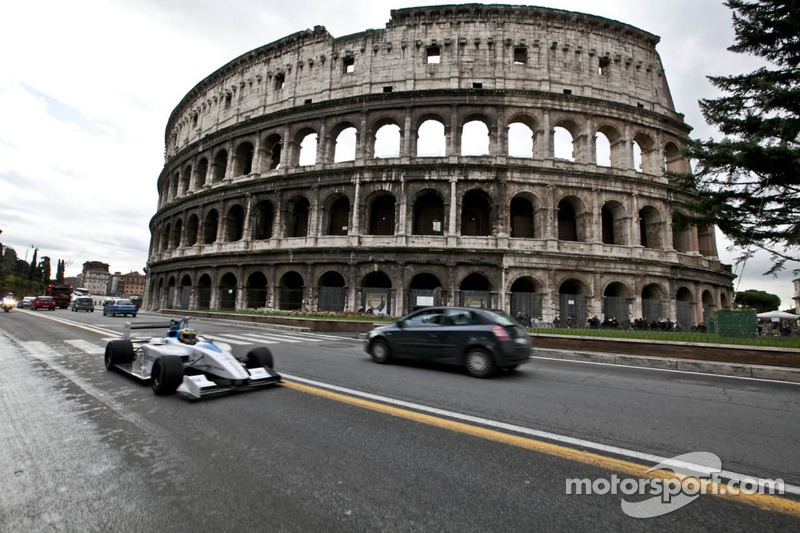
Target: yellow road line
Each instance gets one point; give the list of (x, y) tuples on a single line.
[(720, 490), (73, 324)]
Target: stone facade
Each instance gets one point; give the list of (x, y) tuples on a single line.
[(505, 156)]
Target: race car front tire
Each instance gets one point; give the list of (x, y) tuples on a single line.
[(258, 357), (118, 352), (167, 374)]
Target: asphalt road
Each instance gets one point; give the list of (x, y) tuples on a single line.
[(348, 445)]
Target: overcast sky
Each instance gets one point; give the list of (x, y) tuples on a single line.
[(86, 88)]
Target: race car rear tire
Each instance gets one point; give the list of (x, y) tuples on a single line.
[(118, 352), (258, 357), (167, 374)]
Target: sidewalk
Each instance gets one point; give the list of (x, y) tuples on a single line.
[(775, 373)]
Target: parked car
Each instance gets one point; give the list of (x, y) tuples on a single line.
[(26, 302), (481, 340), (43, 302), (83, 303), (119, 306)]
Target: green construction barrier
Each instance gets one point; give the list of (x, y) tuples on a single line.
[(742, 323)]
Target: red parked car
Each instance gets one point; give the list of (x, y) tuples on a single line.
[(43, 302)]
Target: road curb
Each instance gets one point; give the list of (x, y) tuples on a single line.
[(774, 373)]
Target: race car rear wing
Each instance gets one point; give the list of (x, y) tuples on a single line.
[(145, 325)]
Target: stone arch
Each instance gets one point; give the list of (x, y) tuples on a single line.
[(227, 292), (185, 180), (376, 293), (428, 213), (337, 214), (573, 302), (272, 148), (614, 223), (673, 158), (243, 159), (306, 141), (200, 174), (431, 138), (648, 156), (210, 224), (234, 223), (651, 228), (475, 137), (572, 219), (219, 166), (204, 292), (387, 140), (526, 299), (332, 292), (192, 225), (256, 290), (263, 217), (654, 300), (685, 306), (565, 133), (616, 301), (165, 237), (476, 213), (612, 151), (522, 136), (290, 291), (176, 234), (185, 292), (296, 216), (345, 137), (381, 214), (424, 290), (522, 216), (475, 291)]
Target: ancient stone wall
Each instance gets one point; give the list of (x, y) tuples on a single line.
[(485, 155)]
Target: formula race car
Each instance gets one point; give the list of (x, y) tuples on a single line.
[(183, 362)]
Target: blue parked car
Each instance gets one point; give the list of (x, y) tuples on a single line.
[(119, 307)]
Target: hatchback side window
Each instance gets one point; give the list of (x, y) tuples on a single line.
[(459, 317), (433, 317)]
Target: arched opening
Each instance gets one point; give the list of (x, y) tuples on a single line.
[(210, 227), (234, 224), (613, 220), (345, 149), (185, 180), (256, 291), (425, 290), (243, 161), (204, 292), (387, 141), (200, 174), (685, 304), (526, 301), (650, 228), (192, 226), (572, 303), (708, 306), (332, 292), (176, 234), (219, 166), (520, 140), (339, 216), (475, 139), (376, 292), (673, 158), (521, 217), (185, 296), (165, 237), (602, 148), (521, 213), (428, 214), (263, 216), (570, 220), (291, 291), (297, 213), (615, 304), (308, 150), (563, 145), (476, 214), (227, 292), (381, 215), (431, 139), (653, 303), (475, 292), (273, 146)]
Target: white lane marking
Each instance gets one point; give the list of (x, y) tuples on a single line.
[(41, 348), (266, 338), (572, 441), (86, 346), (229, 340)]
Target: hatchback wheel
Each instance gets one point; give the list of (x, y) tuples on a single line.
[(379, 351), (479, 363)]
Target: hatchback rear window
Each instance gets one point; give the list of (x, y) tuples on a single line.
[(502, 319), (85, 301), (123, 302)]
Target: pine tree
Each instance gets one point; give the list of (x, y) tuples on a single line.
[(748, 183)]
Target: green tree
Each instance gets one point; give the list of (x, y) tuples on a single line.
[(748, 183), (759, 300), (44, 268), (60, 271), (32, 270)]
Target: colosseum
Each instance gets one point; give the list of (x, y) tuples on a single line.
[(484, 155)]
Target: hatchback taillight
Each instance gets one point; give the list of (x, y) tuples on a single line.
[(500, 333)]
